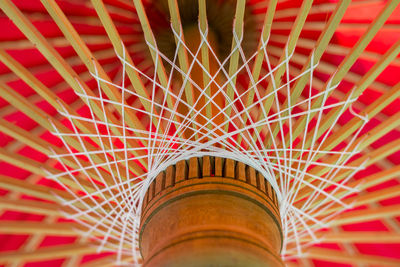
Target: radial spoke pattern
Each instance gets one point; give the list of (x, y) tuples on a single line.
[(102, 107)]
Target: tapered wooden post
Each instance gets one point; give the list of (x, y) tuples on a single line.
[(210, 212)]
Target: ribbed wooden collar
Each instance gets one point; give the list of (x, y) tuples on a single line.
[(203, 207)]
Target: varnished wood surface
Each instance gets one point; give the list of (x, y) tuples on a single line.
[(210, 212)]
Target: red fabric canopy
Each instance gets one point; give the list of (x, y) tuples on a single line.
[(84, 18)]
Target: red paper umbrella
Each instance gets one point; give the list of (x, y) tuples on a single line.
[(199, 133)]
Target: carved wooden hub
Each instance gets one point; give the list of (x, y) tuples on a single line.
[(210, 212)]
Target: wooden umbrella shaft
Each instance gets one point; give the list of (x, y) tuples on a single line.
[(210, 212)]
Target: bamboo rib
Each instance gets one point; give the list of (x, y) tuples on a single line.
[(320, 47), (32, 111), (61, 86), (90, 21), (336, 94), (374, 156), (340, 74), (337, 256), (257, 65), (292, 12), (74, 61), (33, 82), (31, 206), (57, 61), (373, 135), (39, 191), (28, 228), (24, 137), (345, 65), (59, 251), (377, 178), (352, 125), (370, 198), (333, 49), (358, 237), (327, 68), (32, 241), (51, 209), (42, 228), (365, 215), (120, 10), (346, 247), (350, 248), (380, 130), (43, 147), (318, 26), (37, 115), (107, 261), (23, 187), (184, 63), (234, 58), (46, 253), (92, 64), (205, 55), (370, 111), (54, 41), (29, 188), (14, 145), (387, 125), (367, 159), (34, 132), (29, 165), (37, 168), (120, 48), (157, 61), (59, 41), (74, 252), (390, 223), (315, 9), (73, 260), (365, 81), (44, 47), (365, 140), (266, 34), (290, 46)]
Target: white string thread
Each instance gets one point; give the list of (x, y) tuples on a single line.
[(113, 174)]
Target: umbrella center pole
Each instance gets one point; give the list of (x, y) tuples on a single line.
[(210, 211)]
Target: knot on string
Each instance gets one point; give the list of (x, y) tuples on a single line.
[(361, 117)]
